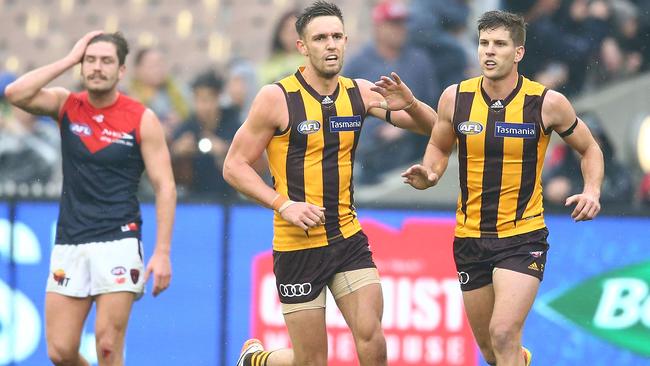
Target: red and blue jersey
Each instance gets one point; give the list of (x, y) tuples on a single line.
[(102, 165)]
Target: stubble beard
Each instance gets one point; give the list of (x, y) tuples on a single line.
[(497, 76), (329, 73)]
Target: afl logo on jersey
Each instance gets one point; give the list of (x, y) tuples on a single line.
[(308, 127), (80, 129), (470, 128)]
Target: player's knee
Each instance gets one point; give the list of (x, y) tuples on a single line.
[(370, 340), (108, 344), (62, 355), (503, 336), (105, 348), (369, 331)]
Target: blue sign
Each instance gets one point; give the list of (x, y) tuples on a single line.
[(198, 322), (251, 233), (181, 326), (578, 252)]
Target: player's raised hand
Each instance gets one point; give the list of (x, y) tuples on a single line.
[(79, 48), (396, 94), (587, 206), (420, 177), (303, 214)]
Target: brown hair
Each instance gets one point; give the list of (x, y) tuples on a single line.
[(117, 38), (318, 9), (513, 23)]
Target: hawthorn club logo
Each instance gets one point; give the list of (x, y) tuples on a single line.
[(614, 306)]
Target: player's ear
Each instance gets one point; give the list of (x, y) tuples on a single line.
[(302, 48), (122, 71), (519, 53)]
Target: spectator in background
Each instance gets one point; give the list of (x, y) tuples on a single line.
[(620, 52), (28, 148), (563, 175), (386, 146), (199, 145), (643, 18), (285, 57), (563, 38), (436, 26), (241, 86), (154, 87), (28, 145)]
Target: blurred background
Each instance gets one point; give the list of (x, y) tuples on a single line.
[(199, 63)]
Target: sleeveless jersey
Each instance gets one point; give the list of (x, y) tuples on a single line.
[(102, 166), (312, 160), (501, 148)]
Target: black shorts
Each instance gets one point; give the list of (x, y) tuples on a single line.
[(300, 275), (476, 258)]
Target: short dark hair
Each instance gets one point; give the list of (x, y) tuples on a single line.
[(208, 79), (319, 8), (513, 23), (117, 38)]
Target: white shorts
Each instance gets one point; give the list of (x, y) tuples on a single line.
[(97, 268)]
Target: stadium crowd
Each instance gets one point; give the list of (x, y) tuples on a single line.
[(574, 46)]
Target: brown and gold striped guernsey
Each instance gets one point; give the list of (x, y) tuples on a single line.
[(312, 160), (501, 148)]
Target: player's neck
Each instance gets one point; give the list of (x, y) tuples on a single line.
[(102, 99), (322, 85), (500, 88)]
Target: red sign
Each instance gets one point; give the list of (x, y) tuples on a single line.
[(423, 319)]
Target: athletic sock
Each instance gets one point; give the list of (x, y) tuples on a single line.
[(258, 358)]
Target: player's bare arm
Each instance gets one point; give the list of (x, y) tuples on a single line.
[(268, 114), (436, 156), (29, 93), (158, 166), (392, 94), (558, 114)]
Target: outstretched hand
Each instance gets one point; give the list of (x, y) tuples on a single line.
[(160, 265), (396, 94), (420, 177), (79, 48), (587, 206)]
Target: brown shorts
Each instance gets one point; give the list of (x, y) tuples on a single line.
[(476, 258), (301, 275)]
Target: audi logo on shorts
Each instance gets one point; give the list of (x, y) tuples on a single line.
[(295, 289), (463, 278)]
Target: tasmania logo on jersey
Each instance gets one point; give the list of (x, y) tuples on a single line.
[(80, 129), (470, 128), (517, 130), (308, 127), (345, 123)]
